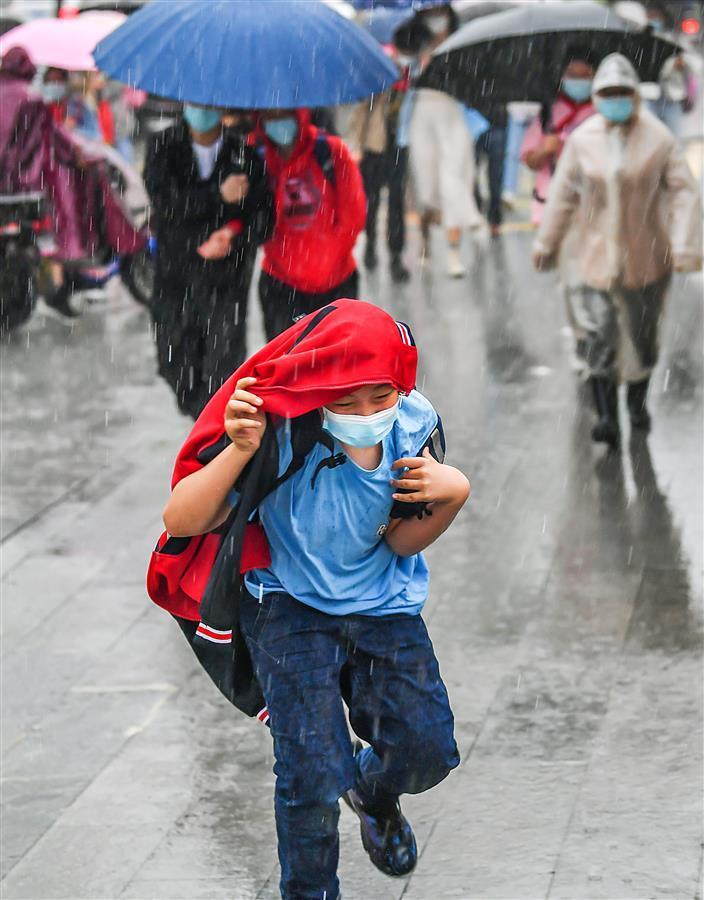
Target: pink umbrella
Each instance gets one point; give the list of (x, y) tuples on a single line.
[(63, 43)]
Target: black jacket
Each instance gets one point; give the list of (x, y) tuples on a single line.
[(187, 209)]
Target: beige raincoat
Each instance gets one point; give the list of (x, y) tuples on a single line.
[(631, 206), (632, 199)]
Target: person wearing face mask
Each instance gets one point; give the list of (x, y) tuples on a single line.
[(546, 135), (54, 90), (442, 155), (211, 207), (624, 186), (330, 602), (320, 210), (378, 137)]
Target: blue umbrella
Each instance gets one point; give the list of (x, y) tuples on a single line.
[(246, 53)]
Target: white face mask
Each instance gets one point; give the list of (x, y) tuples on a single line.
[(437, 24), (360, 431), (405, 62)]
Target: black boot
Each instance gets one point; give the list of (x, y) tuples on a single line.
[(386, 835), (58, 299), (399, 273), (637, 399), (370, 259), (606, 430)]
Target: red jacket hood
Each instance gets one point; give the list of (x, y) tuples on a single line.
[(329, 353)]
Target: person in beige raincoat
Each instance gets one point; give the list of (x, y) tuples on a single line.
[(623, 184)]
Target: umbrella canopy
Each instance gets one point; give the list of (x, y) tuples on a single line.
[(518, 54), (248, 54), (63, 43), (468, 10)]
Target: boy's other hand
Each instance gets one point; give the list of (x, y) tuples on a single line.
[(429, 481), (245, 423)]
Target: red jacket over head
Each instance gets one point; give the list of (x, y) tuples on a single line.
[(318, 218), (319, 359)]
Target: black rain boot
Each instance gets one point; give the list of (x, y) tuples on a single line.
[(606, 430), (370, 259), (637, 398), (399, 273), (386, 835), (58, 300)]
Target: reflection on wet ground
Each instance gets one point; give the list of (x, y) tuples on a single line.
[(565, 610)]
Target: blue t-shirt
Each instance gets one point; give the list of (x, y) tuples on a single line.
[(327, 544)]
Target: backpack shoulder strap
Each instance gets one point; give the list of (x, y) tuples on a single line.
[(323, 156)]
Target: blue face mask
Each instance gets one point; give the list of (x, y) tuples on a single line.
[(54, 91), (282, 131), (360, 431), (577, 89), (615, 109), (201, 119)]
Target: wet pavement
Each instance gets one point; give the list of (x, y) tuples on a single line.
[(565, 610)]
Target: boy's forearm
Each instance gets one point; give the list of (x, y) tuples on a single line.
[(413, 535), (198, 503)]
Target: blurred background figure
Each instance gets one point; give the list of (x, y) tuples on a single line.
[(320, 211), (88, 112), (546, 135), (541, 149), (442, 155), (211, 208), (625, 186), (55, 91), (491, 145), (675, 92), (378, 135), (38, 154)]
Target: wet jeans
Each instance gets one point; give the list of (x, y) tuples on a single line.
[(385, 668)]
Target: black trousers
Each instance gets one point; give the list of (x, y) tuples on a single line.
[(200, 334), (390, 170), (283, 304)]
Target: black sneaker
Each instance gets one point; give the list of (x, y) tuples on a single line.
[(399, 273), (386, 835), (58, 302), (370, 259)]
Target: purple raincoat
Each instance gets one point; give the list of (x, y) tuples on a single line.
[(36, 154)]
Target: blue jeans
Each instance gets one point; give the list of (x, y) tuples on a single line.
[(493, 144), (386, 669)]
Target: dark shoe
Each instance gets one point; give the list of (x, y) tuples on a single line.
[(606, 430), (58, 301), (370, 260), (399, 273), (386, 835), (637, 400)]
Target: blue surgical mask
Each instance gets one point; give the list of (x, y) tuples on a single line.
[(282, 131), (201, 119), (577, 89), (360, 431), (615, 109), (54, 91)]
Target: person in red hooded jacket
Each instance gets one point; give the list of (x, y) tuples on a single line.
[(320, 210)]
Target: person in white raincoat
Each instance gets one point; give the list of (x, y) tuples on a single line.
[(623, 184), (442, 156)]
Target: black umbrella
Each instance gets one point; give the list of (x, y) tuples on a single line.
[(518, 54)]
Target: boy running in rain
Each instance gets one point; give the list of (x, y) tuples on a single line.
[(333, 612)]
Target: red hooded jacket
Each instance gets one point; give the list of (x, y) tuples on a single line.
[(318, 219)]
